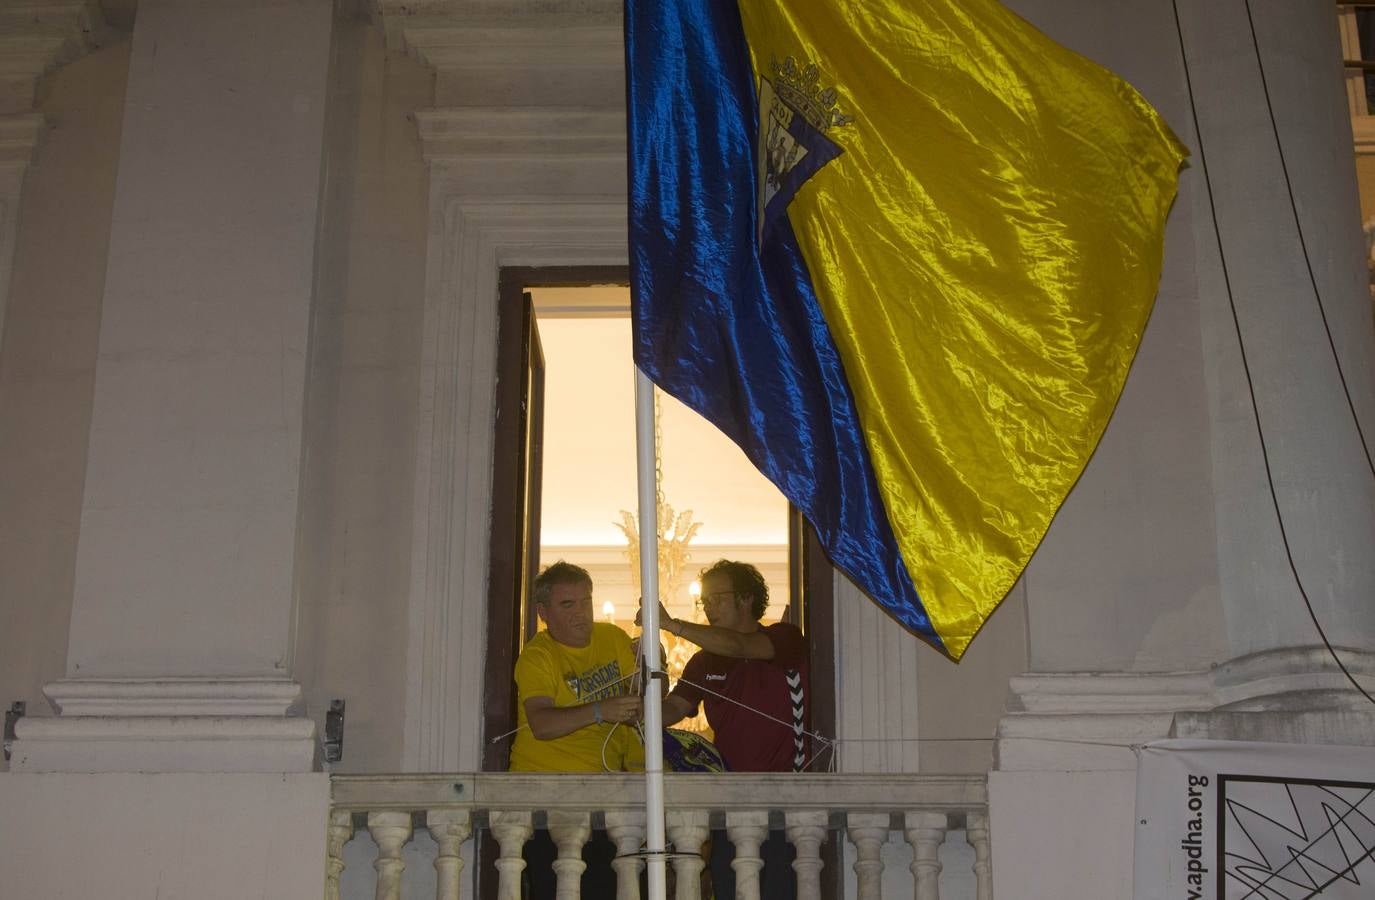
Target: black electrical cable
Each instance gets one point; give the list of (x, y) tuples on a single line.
[(1241, 343), (1303, 242)]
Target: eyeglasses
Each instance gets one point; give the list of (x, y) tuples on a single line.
[(702, 600)]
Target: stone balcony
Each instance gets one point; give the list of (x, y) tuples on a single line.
[(434, 818)]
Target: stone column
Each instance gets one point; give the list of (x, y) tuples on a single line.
[(976, 832), (926, 832), (1275, 134), (449, 828), (1162, 601), (339, 833), (868, 832), (747, 831), (391, 831), (626, 828), (179, 657), (876, 696), (807, 831), (512, 830), (1168, 555), (687, 829), (570, 830)]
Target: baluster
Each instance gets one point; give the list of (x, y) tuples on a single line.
[(570, 829), (747, 830), (390, 830), (926, 833), (339, 833), (449, 828), (687, 829), (807, 832), (512, 830), (868, 832), (976, 832), (626, 828)]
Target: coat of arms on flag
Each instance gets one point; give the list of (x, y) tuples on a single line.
[(795, 113)]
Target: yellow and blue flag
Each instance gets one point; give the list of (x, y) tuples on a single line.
[(902, 252)]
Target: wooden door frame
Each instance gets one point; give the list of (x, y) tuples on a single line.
[(507, 568)]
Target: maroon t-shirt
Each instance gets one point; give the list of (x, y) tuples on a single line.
[(748, 741)]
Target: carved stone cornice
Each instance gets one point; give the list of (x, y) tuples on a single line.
[(465, 133), (36, 36), (173, 697), (169, 725), (19, 135), (505, 33), (554, 42), (1093, 720)]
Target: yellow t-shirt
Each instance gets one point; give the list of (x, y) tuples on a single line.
[(572, 676)]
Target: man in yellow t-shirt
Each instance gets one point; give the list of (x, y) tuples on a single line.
[(574, 685)]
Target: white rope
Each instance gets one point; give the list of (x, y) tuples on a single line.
[(502, 737), (823, 743), (827, 743)]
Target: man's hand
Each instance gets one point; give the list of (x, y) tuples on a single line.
[(548, 721), (664, 619), (620, 709), (721, 641)]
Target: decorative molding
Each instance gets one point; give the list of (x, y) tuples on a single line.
[(164, 744), (37, 36), (876, 671), (181, 725), (585, 135), (180, 697), (570, 43), (406, 20), (19, 135), (1093, 720), (469, 242)]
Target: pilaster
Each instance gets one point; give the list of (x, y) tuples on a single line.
[(526, 149), (876, 681), (180, 648), (19, 135)]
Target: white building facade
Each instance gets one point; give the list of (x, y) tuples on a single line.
[(249, 261)]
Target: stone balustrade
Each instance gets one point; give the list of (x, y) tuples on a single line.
[(812, 810)]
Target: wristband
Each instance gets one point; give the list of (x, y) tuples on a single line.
[(597, 711)]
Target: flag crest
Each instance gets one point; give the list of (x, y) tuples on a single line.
[(903, 254)]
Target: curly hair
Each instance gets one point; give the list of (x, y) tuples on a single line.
[(558, 573), (744, 579)]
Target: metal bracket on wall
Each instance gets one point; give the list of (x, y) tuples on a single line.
[(12, 716), (334, 732)]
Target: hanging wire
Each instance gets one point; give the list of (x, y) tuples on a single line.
[(1236, 322)]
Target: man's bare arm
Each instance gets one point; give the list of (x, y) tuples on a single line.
[(721, 641), (548, 721), (676, 709)]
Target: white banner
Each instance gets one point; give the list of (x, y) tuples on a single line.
[(1227, 820)]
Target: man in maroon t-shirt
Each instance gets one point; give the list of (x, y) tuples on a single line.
[(748, 662), (761, 667)]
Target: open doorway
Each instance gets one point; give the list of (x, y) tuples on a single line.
[(564, 487)]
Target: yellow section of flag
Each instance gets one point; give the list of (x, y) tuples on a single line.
[(986, 251)]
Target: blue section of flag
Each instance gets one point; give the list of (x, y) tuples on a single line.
[(731, 328)]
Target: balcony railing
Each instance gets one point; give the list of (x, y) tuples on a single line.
[(812, 809)]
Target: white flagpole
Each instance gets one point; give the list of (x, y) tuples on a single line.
[(649, 636)]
